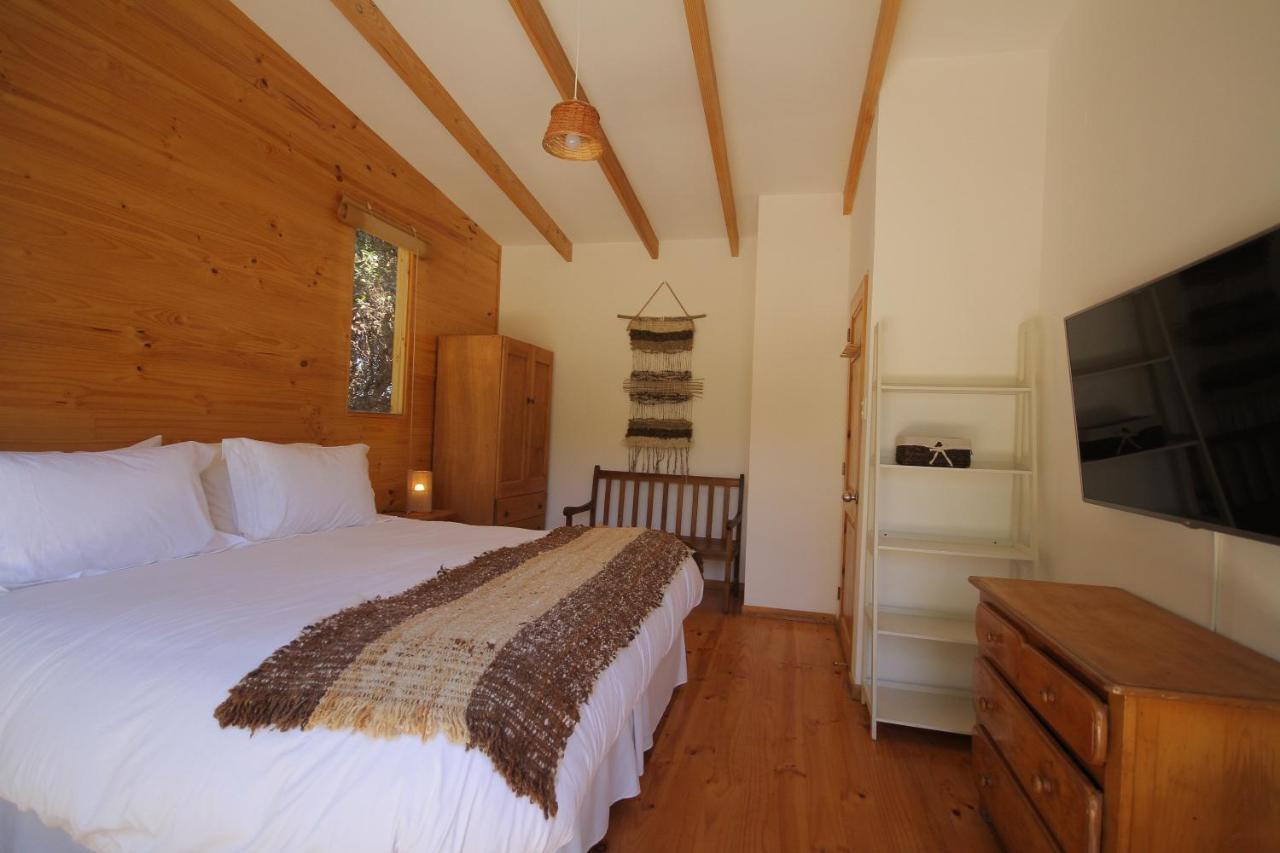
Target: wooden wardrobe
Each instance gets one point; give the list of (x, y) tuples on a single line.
[(492, 430)]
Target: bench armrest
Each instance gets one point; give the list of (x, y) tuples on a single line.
[(571, 511)]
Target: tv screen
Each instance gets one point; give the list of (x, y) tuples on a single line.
[(1176, 387)]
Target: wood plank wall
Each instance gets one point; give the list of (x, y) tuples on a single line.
[(170, 255)]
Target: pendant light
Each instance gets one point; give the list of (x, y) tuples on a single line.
[(574, 131)]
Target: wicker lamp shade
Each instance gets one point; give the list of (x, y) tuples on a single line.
[(574, 132)]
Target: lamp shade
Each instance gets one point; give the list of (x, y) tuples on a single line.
[(574, 132), (418, 495)]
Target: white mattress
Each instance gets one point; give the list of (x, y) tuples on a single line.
[(108, 685)]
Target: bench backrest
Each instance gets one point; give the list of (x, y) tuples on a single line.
[(687, 505)]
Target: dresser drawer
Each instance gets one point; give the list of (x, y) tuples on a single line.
[(1003, 803), (998, 640), (1063, 795), (1073, 711), (536, 522), (508, 511)]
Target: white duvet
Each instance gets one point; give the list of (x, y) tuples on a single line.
[(108, 686)]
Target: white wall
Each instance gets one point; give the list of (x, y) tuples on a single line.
[(1163, 146), (570, 309), (862, 219), (959, 174), (956, 233), (792, 556)]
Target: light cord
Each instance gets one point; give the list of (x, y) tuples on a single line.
[(577, 47)]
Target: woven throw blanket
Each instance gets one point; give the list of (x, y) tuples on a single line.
[(498, 654)]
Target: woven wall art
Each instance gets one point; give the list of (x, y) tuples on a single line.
[(661, 388)]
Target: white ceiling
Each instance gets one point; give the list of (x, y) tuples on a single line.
[(790, 76)]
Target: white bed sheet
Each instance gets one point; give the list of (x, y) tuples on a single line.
[(108, 685)]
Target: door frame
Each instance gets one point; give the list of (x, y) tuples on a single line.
[(851, 640)]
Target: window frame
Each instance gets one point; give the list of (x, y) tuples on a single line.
[(402, 320)]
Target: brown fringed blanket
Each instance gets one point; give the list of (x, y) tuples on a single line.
[(497, 654)]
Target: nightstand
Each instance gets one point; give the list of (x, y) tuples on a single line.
[(430, 515)]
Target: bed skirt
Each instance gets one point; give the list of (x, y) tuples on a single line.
[(617, 778)]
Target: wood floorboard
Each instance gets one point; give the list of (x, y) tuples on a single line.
[(763, 750)]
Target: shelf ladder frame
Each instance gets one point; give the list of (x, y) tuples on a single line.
[(1024, 512)]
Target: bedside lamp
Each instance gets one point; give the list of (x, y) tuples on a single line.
[(418, 496)]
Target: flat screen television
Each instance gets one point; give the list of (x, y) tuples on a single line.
[(1176, 386)]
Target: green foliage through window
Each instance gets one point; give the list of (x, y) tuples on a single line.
[(374, 340)]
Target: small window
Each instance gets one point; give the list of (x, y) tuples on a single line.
[(379, 345)]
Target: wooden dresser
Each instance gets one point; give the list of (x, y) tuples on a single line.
[(492, 429), (1107, 723)]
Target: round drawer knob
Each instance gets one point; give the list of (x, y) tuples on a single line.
[(986, 780), (1047, 695), (985, 704), (992, 636), (1041, 785)]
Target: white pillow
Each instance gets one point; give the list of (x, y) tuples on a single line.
[(66, 514), (283, 489), (216, 480)]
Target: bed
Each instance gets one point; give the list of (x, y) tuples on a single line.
[(109, 683)]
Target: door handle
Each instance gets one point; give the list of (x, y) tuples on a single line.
[(849, 497)]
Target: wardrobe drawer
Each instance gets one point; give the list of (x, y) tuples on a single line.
[(532, 523), (1073, 711), (1063, 795), (520, 508), (998, 639), (1003, 803)]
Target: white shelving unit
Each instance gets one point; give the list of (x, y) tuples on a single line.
[(910, 644)]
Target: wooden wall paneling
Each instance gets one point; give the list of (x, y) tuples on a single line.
[(170, 256)]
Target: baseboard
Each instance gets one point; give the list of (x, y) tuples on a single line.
[(793, 615)]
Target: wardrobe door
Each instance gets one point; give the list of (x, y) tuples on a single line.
[(513, 417), (538, 449)]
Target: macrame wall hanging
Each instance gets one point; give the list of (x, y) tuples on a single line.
[(661, 388)]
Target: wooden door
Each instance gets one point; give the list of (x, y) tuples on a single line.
[(855, 434), (513, 417), (538, 449)]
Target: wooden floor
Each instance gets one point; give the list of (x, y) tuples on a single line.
[(763, 750)]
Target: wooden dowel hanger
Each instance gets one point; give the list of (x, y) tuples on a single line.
[(638, 314), (360, 214)]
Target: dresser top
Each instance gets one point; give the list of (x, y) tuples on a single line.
[(1126, 644)]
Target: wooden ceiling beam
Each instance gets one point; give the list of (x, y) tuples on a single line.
[(547, 45), (369, 21), (886, 23), (695, 12)]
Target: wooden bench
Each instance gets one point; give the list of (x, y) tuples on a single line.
[(704, 512)]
